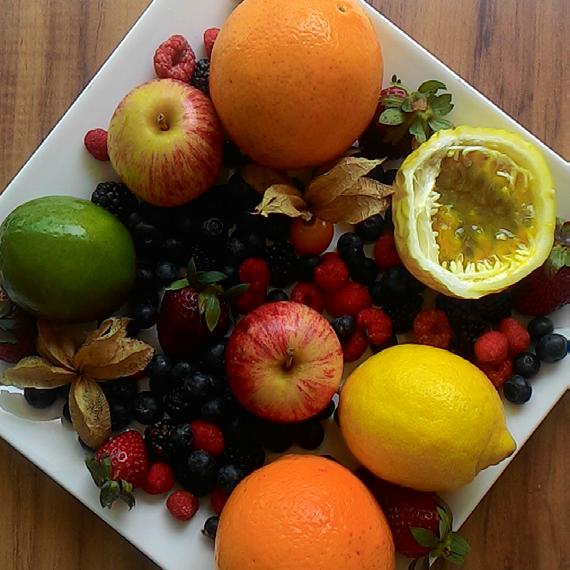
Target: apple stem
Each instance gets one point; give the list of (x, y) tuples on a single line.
[(162, 122), (289, 361)]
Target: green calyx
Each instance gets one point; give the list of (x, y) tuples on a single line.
[(207, 283), (560, 254), (111, 490), (448, 545), (419, 113)]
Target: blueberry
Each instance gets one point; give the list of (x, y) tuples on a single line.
[(232, 276), (179, 407), (160, 386), (396, 282), (363, 270), (144, 278), (236, 251), (343, 326), (147, 408), (181, 440), (376, 292), (123, 390), (228, 478), (159, 367), (40, 398), (199, 386), (166, 272), (277, 295), (214, 410), (539, 327), (63, 391), (350, 246), (198, 473), (247, 455), (388, 221), (187, 225), (309, 434), (241, 195), (327, 412), (517, 390), (214, 359), (66, 413), (552, 347), (389, 176), (306, 266), (144, 315), (392, 341), (277, 226), (213, 232), (120, 415), (370, 229), (239, 429), (173, 249), (181, 369), (275, 437), (250, 222), (526, 364), (255, 244), (211, 527)]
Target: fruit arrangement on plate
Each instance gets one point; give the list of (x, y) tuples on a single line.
[(290, 245)]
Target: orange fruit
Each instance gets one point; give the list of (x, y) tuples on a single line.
[(303, 512), (295, 83)]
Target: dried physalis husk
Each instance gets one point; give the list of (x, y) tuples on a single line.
[(260, 178), (36, 372), (90, 413)]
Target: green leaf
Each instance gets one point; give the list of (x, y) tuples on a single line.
[(209, 277), (455, 559), (407, 104), (459, 545), (192, 271), (392, 117), (203, 302), (236, 292), (110, 492), (424, 537), (417, 130), (100, 470), (126, 493), (440, 104), (391, 101), (213, 312), (177, 285), (431, 86), (437, 124)]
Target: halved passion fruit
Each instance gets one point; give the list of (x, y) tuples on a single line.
[(474, 211)]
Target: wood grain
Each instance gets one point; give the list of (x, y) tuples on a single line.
[(511, 50)]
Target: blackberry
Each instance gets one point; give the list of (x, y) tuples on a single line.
[(457, 310), (116, 198), (203, 260), (248, 456), (158, 439), (213, 233), (179, 407), (201, 77), (403, 311), (494, 308), (467, 332), (282, 260)]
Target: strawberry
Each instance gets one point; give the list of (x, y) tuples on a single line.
[(193, 312), (547, 288), (420, 522), (119, 466), (17, 331)]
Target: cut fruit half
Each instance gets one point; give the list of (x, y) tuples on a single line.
[(474, 211)]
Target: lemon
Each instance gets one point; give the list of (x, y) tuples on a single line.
[(423, 417), (474, 211)]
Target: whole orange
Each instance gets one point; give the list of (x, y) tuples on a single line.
[(295, 82), (303, 512)]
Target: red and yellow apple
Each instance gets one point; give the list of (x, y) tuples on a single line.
[(284, 362), (166, 142)]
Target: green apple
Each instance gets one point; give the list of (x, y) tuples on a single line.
[(165, 142), (65, 259)]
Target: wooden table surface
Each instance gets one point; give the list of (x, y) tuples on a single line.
[(511, 50)]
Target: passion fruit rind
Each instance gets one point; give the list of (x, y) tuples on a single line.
[(503, 182)]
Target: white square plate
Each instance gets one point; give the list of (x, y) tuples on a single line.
[(61, 166)]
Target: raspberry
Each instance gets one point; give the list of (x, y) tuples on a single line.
[(517, 335), (217, 500), (355, 346), (497, 372), (308, 294), (210, 36), (250, 300), (491, 346), (95, 142), (208, 437), (159, 479), (432, 327), (182, 505), (332, 273), (349, 300), (376, 324), (175, 59), (255, 272), (385, 252)]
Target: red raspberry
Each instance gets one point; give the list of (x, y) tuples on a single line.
[(210, 36), (517, 336), (175, 59), (385, 252), (376, 324), (182, 505), (95, 142), (308, 294), (250, 300), (491, 346), (208, 437), (332, 273), (255, 272), (497, 372), (217, 500), (159, 479), (432, 327), (354, 346), (349, 300)]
